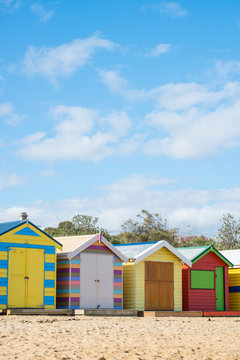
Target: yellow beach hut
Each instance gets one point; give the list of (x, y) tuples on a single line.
[(152, 277), (233, 278), (27, 266)]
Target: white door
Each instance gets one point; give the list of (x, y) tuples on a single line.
[(106, 280), (96, 281)]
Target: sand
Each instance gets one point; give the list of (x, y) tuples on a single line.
[(64, 338)]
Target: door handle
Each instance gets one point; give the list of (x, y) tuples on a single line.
[(26, 278), (97, 280)]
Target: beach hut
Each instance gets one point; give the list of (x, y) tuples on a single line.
[(27, 266), (152, 278), (205, 285), (89, 273), (234, 278)]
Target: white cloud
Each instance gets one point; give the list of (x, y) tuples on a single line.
[(159, 50), (195, 121), (77, 135), (11, 5), (10, 180), (10, 116), (118, 85), (168, 8), (40, 11), (124, 198), (62, 61), (189, 120)]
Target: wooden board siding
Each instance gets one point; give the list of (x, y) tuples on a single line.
[(40, 241), (118, 284), (163, 255), (129, 286), (234, 289), (203, 299), (159, 286), (62, 300), (63, 273), (75, 283)]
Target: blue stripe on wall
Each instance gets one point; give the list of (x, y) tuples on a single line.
[(117, 307), (48, 300), (234, 289), (75, 291), (3, 264), (49, 283), (75, 261), (49, 266), (3, 281), (62, 291), (74, 278), (3, 299), (63, 278), (117, 280), (117, 291), (48, 249), (117, 264), (63, 262)]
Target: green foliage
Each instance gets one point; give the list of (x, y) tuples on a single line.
[(80, 225), (195, 241), (149, 227), (229, 233)]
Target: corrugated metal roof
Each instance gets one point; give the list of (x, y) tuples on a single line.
[(192, 252), (7, 226), (232, 255), (71, 243), (131, 251)]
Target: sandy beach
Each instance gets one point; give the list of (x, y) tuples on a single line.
[(98, 338)]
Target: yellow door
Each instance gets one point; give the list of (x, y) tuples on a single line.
[(25, 278), (16, 274), (35, 274)]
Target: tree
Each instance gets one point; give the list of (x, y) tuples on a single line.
[(80, 225), (149, 227), (194, 240), (229, 232)]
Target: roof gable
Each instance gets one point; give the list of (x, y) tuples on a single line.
[(196, 253), (27, 228), (143, 250), (73, 245)]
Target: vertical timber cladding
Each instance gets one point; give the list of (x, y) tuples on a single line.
[(26, 278), (234, 289), (27, 267), (159, 285), (101, 248), (63, 266)]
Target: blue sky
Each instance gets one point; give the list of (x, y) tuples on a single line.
[(110, 107)]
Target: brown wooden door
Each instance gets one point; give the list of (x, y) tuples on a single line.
[(159, 286)]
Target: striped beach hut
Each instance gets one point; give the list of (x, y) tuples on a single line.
[(89, 273), (27, 266), (234, 278), (205, 285), (152, 278)]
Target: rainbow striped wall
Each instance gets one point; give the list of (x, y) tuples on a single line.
[(64, 269)]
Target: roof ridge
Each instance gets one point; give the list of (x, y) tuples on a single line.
[(139, 243)]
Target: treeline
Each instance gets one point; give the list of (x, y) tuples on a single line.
[(150, 227)]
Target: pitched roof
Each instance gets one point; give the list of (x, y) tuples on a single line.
[(8, 226), (233, 256), (70, 243), (139, 251), (195, 253), (192, 252), (73, 245)]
